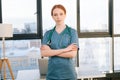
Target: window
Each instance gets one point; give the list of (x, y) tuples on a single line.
[(116, 34), (94, 54), (116, 17), (23, 17), (98, 25), (94, 17), (94, 36), (117, 55), (48, 22), (22, 54)]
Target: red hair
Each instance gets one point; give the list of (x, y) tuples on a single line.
[(58, 6)]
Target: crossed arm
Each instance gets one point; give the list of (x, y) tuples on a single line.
[(68, 52)]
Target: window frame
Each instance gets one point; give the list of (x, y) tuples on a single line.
[(92, 34), (39, 25), (110, 32), (39, 34)]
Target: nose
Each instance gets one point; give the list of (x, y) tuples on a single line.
[(58, 17)]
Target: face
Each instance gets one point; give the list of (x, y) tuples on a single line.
[(58, 16)]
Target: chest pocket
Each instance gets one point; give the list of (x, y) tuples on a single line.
[(65, 40)]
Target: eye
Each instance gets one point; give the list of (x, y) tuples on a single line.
[(61, 14), (55, 14)]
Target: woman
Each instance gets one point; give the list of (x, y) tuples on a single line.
[(60, 44)]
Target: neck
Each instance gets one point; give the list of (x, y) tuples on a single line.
[(58, 26)]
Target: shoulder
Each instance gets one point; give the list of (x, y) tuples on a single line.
[(72, 30), (48, 31)]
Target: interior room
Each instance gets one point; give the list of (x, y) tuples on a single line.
[(96, 22)]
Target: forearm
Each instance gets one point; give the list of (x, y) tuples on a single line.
[(52, 52), (70, 54)]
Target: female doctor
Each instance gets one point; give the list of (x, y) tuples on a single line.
[(60, 44)]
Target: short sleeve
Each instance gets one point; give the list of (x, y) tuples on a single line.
[(74, 37), (45, 38)]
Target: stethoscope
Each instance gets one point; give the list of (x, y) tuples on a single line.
[(51, 33)]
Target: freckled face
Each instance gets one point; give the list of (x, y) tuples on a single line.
[(58, 16)]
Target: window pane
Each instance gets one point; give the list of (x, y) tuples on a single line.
[(117, 53), (22, 54), (94, 55), (21, 14), (47, 20), (116, 16), (94, 17)]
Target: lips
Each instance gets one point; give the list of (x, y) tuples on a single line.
[(58, 20)]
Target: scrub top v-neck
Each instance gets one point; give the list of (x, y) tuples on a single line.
[(59, 67)]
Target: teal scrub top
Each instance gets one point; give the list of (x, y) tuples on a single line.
[(59, 67)]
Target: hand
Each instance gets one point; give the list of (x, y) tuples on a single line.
[(72, 47), (45, 47)]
